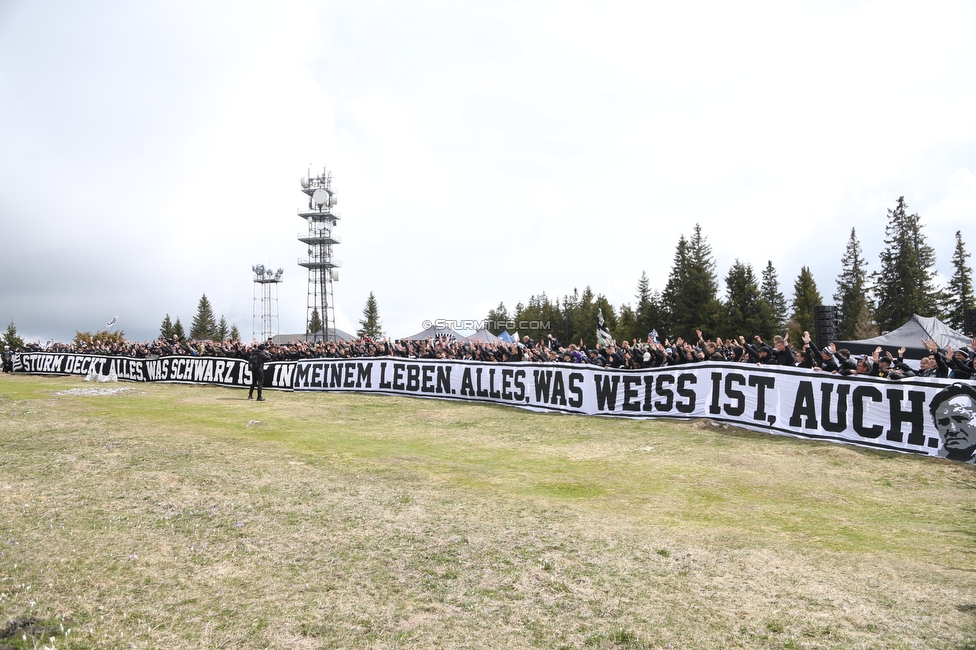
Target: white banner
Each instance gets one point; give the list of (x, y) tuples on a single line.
[(920, 416), (225, 371), (866, 411)]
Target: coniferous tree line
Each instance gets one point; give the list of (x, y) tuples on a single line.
[(204, 327), (315, 324), (868, 302), (370, 325), (11, 338)]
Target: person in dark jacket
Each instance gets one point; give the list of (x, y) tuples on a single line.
[(762, 355), (782, 352), (712, 352), (803, 358), (886, 366), (847, 363), (960, 363), (821, 358), (933, 365), (808, 356), (614, 359), (258, 358), (8, 359)]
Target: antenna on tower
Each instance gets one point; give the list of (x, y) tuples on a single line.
[(320, 306), (320, 197), (264, 318)]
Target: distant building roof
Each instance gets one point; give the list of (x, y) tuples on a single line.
[(433, 333), (293, 338)]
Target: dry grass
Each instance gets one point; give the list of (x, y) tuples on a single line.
[(184, 516)]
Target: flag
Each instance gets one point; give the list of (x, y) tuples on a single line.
[(603, 336), (112, 322)]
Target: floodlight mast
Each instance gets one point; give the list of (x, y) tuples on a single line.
[(266, 281), (320, 263)]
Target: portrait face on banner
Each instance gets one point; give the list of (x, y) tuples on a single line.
[(954, 413)]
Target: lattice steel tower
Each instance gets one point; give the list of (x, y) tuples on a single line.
[(265, 302), (321, 266)]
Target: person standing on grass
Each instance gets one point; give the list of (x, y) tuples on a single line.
[(8, 359), (258, 358)]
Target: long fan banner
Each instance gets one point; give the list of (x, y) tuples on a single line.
[(866, 411), (224, 371)]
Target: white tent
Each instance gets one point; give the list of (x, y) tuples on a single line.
[(910, 336), (483, 336), (434, 333)]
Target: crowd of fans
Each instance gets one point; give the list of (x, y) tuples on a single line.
[(652, 353)]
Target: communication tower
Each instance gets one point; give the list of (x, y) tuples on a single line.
[(321, 265), (264, 319)]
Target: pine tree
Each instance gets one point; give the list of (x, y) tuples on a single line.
[(904, 284), (526, 313), (178, 329), (579, 314), (571, 317), (704, 281), (851, 298), (643, 297), (959, 294), (314, 323), (10, 337), (772, 303), (552, 321), (235, 334), (672, 297), (370, 324), (805, 298), (864, 326), (204, 325), (103, 337), (497, 319), (539, 318), (743, 314), (690, 297), (586, 316), (647, 311), (166, 329), (627, 328), (221, 331)]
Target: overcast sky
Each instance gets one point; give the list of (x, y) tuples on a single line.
[(481, 152)]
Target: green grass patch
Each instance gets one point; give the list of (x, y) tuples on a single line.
[(172, 516)]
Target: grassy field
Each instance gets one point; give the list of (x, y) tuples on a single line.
[(172, 516)]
